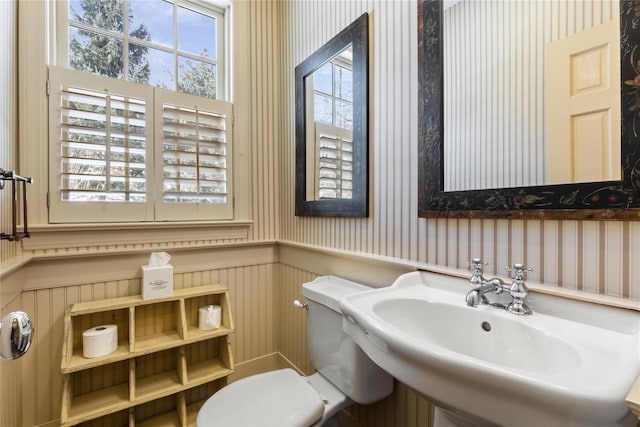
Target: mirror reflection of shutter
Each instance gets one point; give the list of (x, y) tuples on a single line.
[(195, 156), (99, 133), (334, 165)]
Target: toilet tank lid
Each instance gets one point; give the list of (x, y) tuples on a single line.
[(328, 290)]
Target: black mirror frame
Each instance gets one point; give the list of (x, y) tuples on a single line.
[(356, 34), (596, 200)]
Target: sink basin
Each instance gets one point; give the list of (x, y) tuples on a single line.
[(569, 363)]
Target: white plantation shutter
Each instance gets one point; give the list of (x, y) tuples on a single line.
[(122, 151), (195, 157), (334, 166), (100, 144)]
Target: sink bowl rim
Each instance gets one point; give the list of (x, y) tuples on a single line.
[(443, 358)]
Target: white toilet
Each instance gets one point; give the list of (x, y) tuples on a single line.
[(284, 398)]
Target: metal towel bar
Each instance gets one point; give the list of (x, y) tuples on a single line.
[(14, 178)]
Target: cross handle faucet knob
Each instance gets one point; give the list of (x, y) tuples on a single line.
[(476, 270), (476, 264), (519, 271)]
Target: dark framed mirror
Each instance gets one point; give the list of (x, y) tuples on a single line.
[(331, 90), (616, 197)]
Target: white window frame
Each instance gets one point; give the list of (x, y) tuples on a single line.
[(220, 9), (154, 209)]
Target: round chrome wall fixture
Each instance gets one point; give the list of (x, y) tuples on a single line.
[(16, 333)]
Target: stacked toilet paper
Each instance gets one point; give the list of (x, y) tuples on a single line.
[(209, 317), (99, 341)]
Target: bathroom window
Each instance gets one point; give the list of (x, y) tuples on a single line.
[(127, 152), (177, 45), (139, 126)]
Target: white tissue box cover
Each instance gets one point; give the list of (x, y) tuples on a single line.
[(157, 282)]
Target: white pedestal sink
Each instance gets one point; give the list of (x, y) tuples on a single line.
[(570, 363)]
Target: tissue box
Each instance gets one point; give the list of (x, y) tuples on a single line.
[(157, 282)]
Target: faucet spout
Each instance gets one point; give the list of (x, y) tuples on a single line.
[(478, 294)]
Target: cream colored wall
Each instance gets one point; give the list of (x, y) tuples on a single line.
[(10, 386), (247, 272), (8, 117), (592, 256), (64, 265), (404, 407), (583, 255)]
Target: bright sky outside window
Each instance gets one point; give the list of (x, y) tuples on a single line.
[(165, 44), (333, 93)]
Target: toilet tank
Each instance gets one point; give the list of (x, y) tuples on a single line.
[(332, 352)]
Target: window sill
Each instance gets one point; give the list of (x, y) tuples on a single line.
[(53, 240)]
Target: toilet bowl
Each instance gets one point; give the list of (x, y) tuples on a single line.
[(285, 398)]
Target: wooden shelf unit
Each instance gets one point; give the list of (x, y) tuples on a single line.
[(164, 365)]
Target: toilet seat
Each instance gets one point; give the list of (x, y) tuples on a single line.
[(277, 398)]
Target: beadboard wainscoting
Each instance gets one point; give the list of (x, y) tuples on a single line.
[(589, 257), (404, 407), (31, 386)]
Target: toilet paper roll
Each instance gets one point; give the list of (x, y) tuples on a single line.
[(210, 317), (99, 341)]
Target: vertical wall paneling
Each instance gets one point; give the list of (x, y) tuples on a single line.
[(518, 241), (11, 386), (499, 90), (616, 245), (503, 245), (633, 254), (591, 255), (8, 116), (562, 254), (404, 407), (570, 254), (251, 290), (10, 372)]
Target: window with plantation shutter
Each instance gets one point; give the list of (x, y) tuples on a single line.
[(122, 151), (334, 165), (195, 158), (102, 146), (101, 133)]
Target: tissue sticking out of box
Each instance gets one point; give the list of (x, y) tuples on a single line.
[(158, 259), (157, 277)]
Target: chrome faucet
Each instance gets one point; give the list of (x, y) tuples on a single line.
[(476, 271), (517, 289), (478, 295)]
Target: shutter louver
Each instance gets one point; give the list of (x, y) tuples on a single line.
[(100, 149), (335, 162), (194, 155), (103, 147), (194, 173), (106, 165)]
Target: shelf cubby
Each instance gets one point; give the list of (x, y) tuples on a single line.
[(164, 365), (192, 306), (157, 326), (116, 419), (95, 392), (74, 326), (208, 361)]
